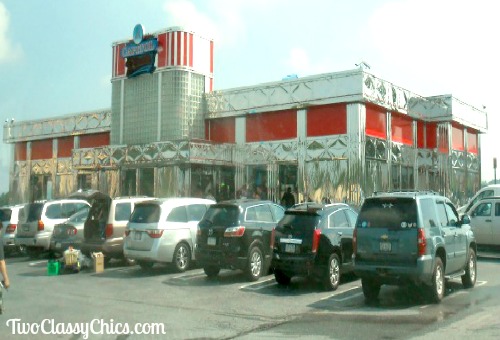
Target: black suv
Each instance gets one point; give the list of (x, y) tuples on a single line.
[(314, 240), (412, 238), (237, 234)]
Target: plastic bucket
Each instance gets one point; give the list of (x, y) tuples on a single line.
[(53, 267)]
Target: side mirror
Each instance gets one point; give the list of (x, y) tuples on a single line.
[(465, 219)]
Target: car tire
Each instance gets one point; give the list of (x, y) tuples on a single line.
[(182, 257), (371, 289), (437, 287), (332, 274), (255, 265), (145, 265), (469, 278), (281, 278), (211, 271)]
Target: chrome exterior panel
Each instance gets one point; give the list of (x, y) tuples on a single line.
[(75, 124), (65, 184), (327, 179), (172, 181)]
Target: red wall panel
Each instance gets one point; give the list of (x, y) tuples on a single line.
[(420, 134), (162, 47), (120, 62), (221, 130), (64, 146), (457, 137), (271, 126), (431, 135), (41, 149), (20, 151), (327, 120), (376, 123), (472, 142), (94, 140), (401, 128)]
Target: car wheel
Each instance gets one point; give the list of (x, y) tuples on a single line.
[(436, 290), (22, 250), (371, 289), (211, 271), (282, 278), (469, 278), (255, 264), (145, 265), (332, 275), (182, 257)]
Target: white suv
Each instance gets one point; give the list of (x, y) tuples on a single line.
[(37, 221), (9, 216), (164, 230)]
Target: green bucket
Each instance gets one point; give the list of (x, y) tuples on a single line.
[(53, 267)]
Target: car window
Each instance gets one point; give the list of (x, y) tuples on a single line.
[(443, 219), (225, 215), (351, 217), (146, 213), (68, 209), (5, 214), (452, 215), (31, 212), (123, 211), (497, 209), (391, 213), (429, 217), (338, 220), (263, 213), (483, 209), (278, 212), (178, 214), (54, 211), (80, 216), (196, 211)]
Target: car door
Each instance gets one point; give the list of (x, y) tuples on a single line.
[(195, 214), (495, 225), (461, 245), (449, 234), (481, 222), (340, 232)]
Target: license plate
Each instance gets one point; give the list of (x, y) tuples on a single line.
[(211, 241), (58, 245), (289, 248), (385, 246), (26, 228), (137, 236)]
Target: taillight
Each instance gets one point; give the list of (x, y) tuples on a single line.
[(41, 226), (11, 228), (273, 234), (109, 230), (316, 236), (127, 232), (355, 241), (421, 242), (71, 231), (154, 233), (234, 231)]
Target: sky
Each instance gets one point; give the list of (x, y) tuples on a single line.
[(55, 56)]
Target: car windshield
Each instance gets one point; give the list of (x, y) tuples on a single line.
[(146, 213), (391, 213)]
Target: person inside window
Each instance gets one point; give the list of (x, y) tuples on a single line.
[(288, 200)]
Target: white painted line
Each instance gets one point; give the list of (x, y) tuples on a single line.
[(481, 283), (349, 297), (259, 284), (189, 276), (338, 293), (32, 264)]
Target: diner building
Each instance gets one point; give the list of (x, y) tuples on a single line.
[(335, 137)]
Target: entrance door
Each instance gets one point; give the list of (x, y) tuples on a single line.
[(288, 179)]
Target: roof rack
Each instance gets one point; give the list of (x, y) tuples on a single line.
[(408, 192)]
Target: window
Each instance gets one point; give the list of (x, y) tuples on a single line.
[(497, 209), (178, 214), (196, 211), (391, 213), (264, 213), (443, 219), (452, 215), (351, 216), (429, 217), (338, 220), (146, 213), (53, 211), (483, 209), (278, 212), (123, 211)]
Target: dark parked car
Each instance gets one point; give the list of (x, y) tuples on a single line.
[(314, 240), (414, 239), (237, 234), (69, 233)]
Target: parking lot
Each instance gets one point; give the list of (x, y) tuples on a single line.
[(191, 306)]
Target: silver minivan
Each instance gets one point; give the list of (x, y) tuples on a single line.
[(164, 231), (485, 221), (9, 217)]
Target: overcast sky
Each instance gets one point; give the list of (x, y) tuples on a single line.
[(55, 56)]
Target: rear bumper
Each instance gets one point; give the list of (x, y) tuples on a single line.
[(62, 245), (9, 242), (294, 265), (41, 240), (227, 260), (420, 272), (109, 247), (157, 253)]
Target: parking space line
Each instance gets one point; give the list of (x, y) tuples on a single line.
[(338, 293), (189, 276), (33, 264), (259, 285)]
